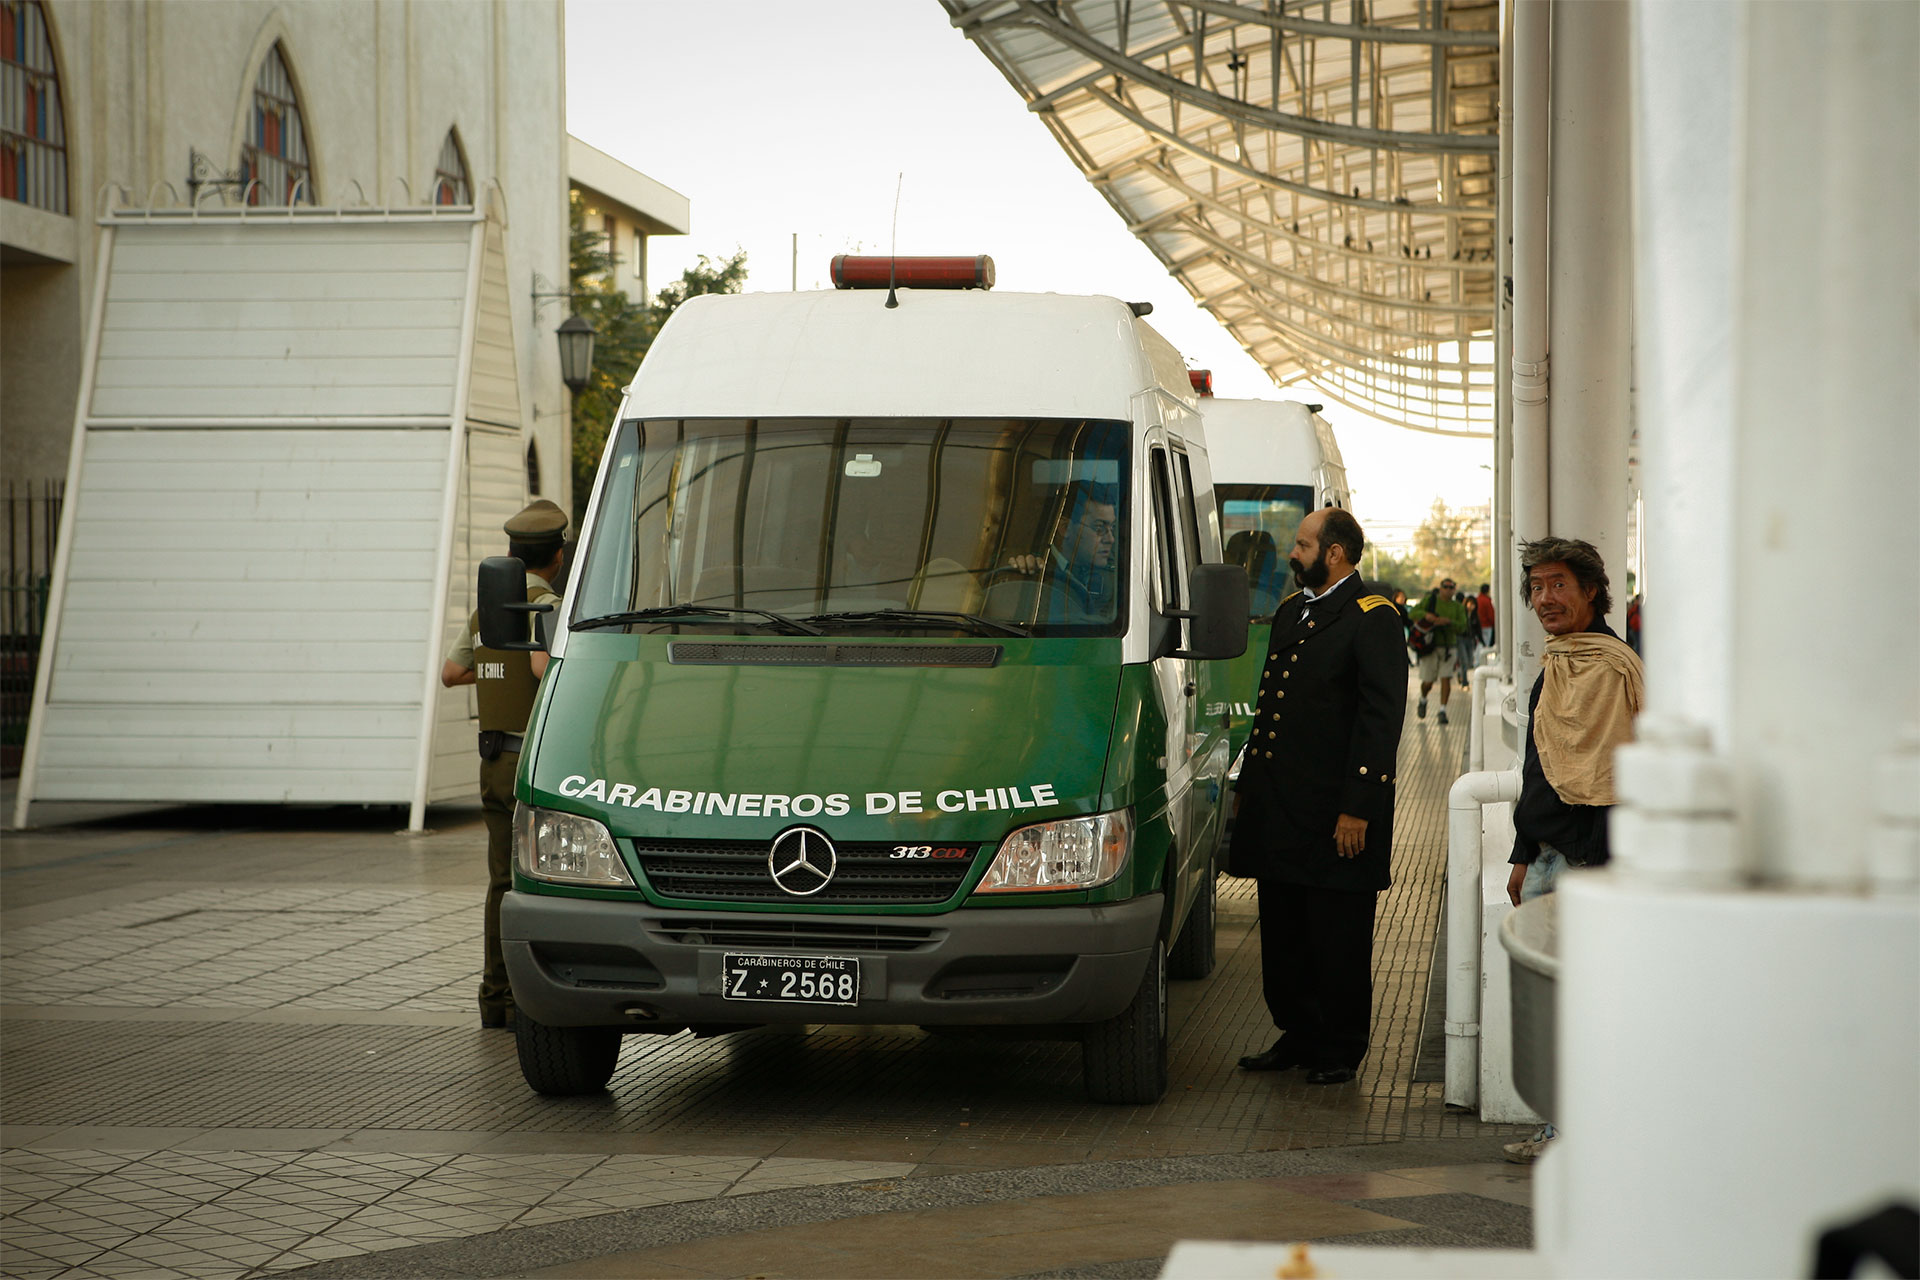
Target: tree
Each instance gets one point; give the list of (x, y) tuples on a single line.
[(1454, 544), (1388, 569), (624, 330)]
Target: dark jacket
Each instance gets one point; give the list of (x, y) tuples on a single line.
[(1540, 816), (1326, 732)]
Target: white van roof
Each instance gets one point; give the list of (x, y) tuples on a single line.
[(1266, 441), (947, 353)]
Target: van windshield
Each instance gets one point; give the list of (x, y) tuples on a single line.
[(876, 526), (1258, 522)]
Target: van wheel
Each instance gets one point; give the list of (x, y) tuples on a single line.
[(562, 1061), (1192, 955), (1124, 1059)]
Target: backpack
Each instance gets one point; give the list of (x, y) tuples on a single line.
[(1421, 638)]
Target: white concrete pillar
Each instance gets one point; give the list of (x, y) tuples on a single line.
[(1737, 1063), (1591, 284), (1827, 430), (1529, 515), (1675, 820)]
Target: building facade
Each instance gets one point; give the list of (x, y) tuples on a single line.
[(130, 104)]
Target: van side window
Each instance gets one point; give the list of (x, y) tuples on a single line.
[(1169, 566), (1189, 513)]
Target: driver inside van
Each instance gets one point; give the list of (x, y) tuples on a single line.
[(1076, 571)]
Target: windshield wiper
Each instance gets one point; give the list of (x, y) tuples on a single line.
[(926, 618), (667, 612)]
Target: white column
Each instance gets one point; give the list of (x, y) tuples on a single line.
[(1502, 539), (1675, 822), (1758, 1042), (1591, 285), (1532, 43), (1827, 444)]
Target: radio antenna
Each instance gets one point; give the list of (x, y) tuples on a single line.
[(893, 249)]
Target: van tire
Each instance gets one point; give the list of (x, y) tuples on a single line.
[(1124, 1059), (1192, 955), (563, 1061)]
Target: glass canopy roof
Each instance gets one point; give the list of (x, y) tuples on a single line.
[(1319, 175)]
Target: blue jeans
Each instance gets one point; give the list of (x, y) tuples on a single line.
[(1543, 874), (1543, 877)]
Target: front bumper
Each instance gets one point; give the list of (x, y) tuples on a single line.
[(589, 962)]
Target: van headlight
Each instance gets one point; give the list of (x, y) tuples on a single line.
[(566, 849), (1074, 853)]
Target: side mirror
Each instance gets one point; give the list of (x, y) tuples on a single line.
[(1221, 598), (505, 614)]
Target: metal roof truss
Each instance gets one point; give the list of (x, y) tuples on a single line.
[(1320, 175)]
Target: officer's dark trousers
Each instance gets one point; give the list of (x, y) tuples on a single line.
[(1316, 965), (496, 807)]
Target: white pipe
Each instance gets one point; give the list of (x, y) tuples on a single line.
[(1528, 510), (1489, 669), (1503, 558), (1470, 791)]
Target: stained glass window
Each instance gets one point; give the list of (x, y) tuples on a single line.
[(450, 185), (274, 155), (33, 132)]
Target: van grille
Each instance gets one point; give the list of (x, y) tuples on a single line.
[(792, 935), (736, 871)]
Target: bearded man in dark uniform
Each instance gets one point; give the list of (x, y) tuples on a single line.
[(1315, 823), (505, 681)]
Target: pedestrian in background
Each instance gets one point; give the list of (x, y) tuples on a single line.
[(1440, 618), (1483, 610), (1315, 822), (1581, 709), (1468, 645), (505, 681)]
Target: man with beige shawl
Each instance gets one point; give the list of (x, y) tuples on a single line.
[(1582, 707)]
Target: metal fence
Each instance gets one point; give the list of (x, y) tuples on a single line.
[(33, 521)]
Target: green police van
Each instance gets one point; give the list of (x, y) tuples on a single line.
[(887, 686), (1278, 462)]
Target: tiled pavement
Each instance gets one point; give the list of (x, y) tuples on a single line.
[(236, 1042)]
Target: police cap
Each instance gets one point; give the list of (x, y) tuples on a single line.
[(539, 521)]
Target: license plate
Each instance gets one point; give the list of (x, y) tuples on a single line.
[(793, 979)]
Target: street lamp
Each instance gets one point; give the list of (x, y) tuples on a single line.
[(576, 353)]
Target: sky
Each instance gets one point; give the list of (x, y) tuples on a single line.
[(779, 120)]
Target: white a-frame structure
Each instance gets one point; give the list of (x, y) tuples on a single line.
[(296, 433)]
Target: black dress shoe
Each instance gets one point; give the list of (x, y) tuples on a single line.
[(1330, 1075), (1278, 1058)]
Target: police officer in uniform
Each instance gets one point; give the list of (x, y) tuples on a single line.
[(1315, 822), (504, 682)]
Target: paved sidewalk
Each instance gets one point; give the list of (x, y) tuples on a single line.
[(241, 1041)]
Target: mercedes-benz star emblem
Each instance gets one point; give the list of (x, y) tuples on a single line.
[(802, 861)]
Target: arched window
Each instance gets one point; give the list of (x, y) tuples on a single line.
[(450, 185), (533, 469), (33, 130), (274, 155)]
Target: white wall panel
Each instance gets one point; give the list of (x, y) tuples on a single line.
[(261, 320), (494, 394), (243, 616)]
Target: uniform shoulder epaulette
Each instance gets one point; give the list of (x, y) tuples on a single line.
[(1374, 602), (1294, 596)]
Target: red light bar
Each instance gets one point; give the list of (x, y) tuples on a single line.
[(850, 272), (1202, 380)]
